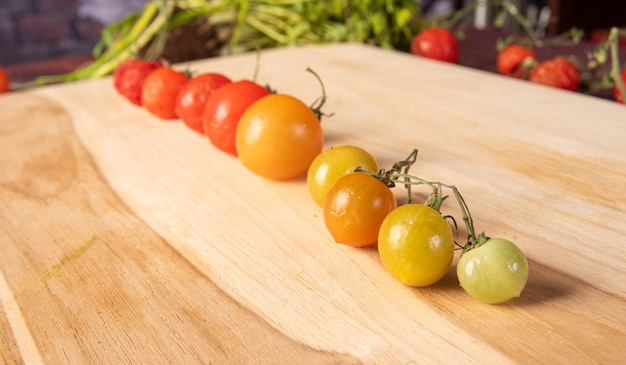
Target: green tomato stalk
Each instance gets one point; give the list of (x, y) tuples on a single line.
[(613, 41), (398, 173)]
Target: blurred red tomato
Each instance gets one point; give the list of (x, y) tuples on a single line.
[(436, 43), (557, 72), (511, 59), (160, 89), (224, 109), (193, 97), (129, 75)]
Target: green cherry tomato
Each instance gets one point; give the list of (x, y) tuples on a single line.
[(334, 163), (493, 272), (416, 245)]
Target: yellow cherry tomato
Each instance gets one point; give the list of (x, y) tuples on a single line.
[(334, 163), (416, 245)]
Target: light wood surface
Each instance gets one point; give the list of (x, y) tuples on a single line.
[(127, 239)]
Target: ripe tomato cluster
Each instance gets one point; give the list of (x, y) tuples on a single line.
[(274, 135), (521, 62), (279, 137), (415, 241), (515, 60)]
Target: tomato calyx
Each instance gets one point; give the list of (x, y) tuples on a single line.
[(317, 104), (526, 66)]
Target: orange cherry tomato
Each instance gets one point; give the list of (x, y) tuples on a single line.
[(278, 137), (355, 207)]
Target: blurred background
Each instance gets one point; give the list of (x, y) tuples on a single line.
[(40, 30)]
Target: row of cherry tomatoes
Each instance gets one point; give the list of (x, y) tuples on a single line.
[(279, 137), (241, 117)]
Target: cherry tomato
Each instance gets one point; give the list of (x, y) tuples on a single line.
[(334, 163), (4, 81), (193, 96), (436, 43), (493, 272), (278, 137), (223, 111), (511, 60), (557, 72), (160, 89), (416, 245), (618, 95), (355, 207), (128, 78)]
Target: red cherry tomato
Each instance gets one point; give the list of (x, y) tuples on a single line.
[(224, 109), (510, 60), (160, 89), (193, 97), (618, 95), (557, 72), (436, 43), (128, 78), (4, 81)]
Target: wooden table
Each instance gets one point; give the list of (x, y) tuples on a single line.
[(127, 239)]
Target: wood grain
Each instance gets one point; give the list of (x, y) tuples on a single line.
[(129, 239)]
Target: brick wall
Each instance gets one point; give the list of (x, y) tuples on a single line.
[(34, 30)]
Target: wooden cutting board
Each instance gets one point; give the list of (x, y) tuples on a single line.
[(127, 239)]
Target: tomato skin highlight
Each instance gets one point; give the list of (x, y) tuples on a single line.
[(159, 91), (223, 111), (436, 43), (278, 137), (193, 96), (333, 163), (355, 207), (416, 245), (493, 272)]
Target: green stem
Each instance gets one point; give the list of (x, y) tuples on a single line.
[(399, 172), (436, 200), (141, 40), (521, 20), (241, 22), (316, 106)]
